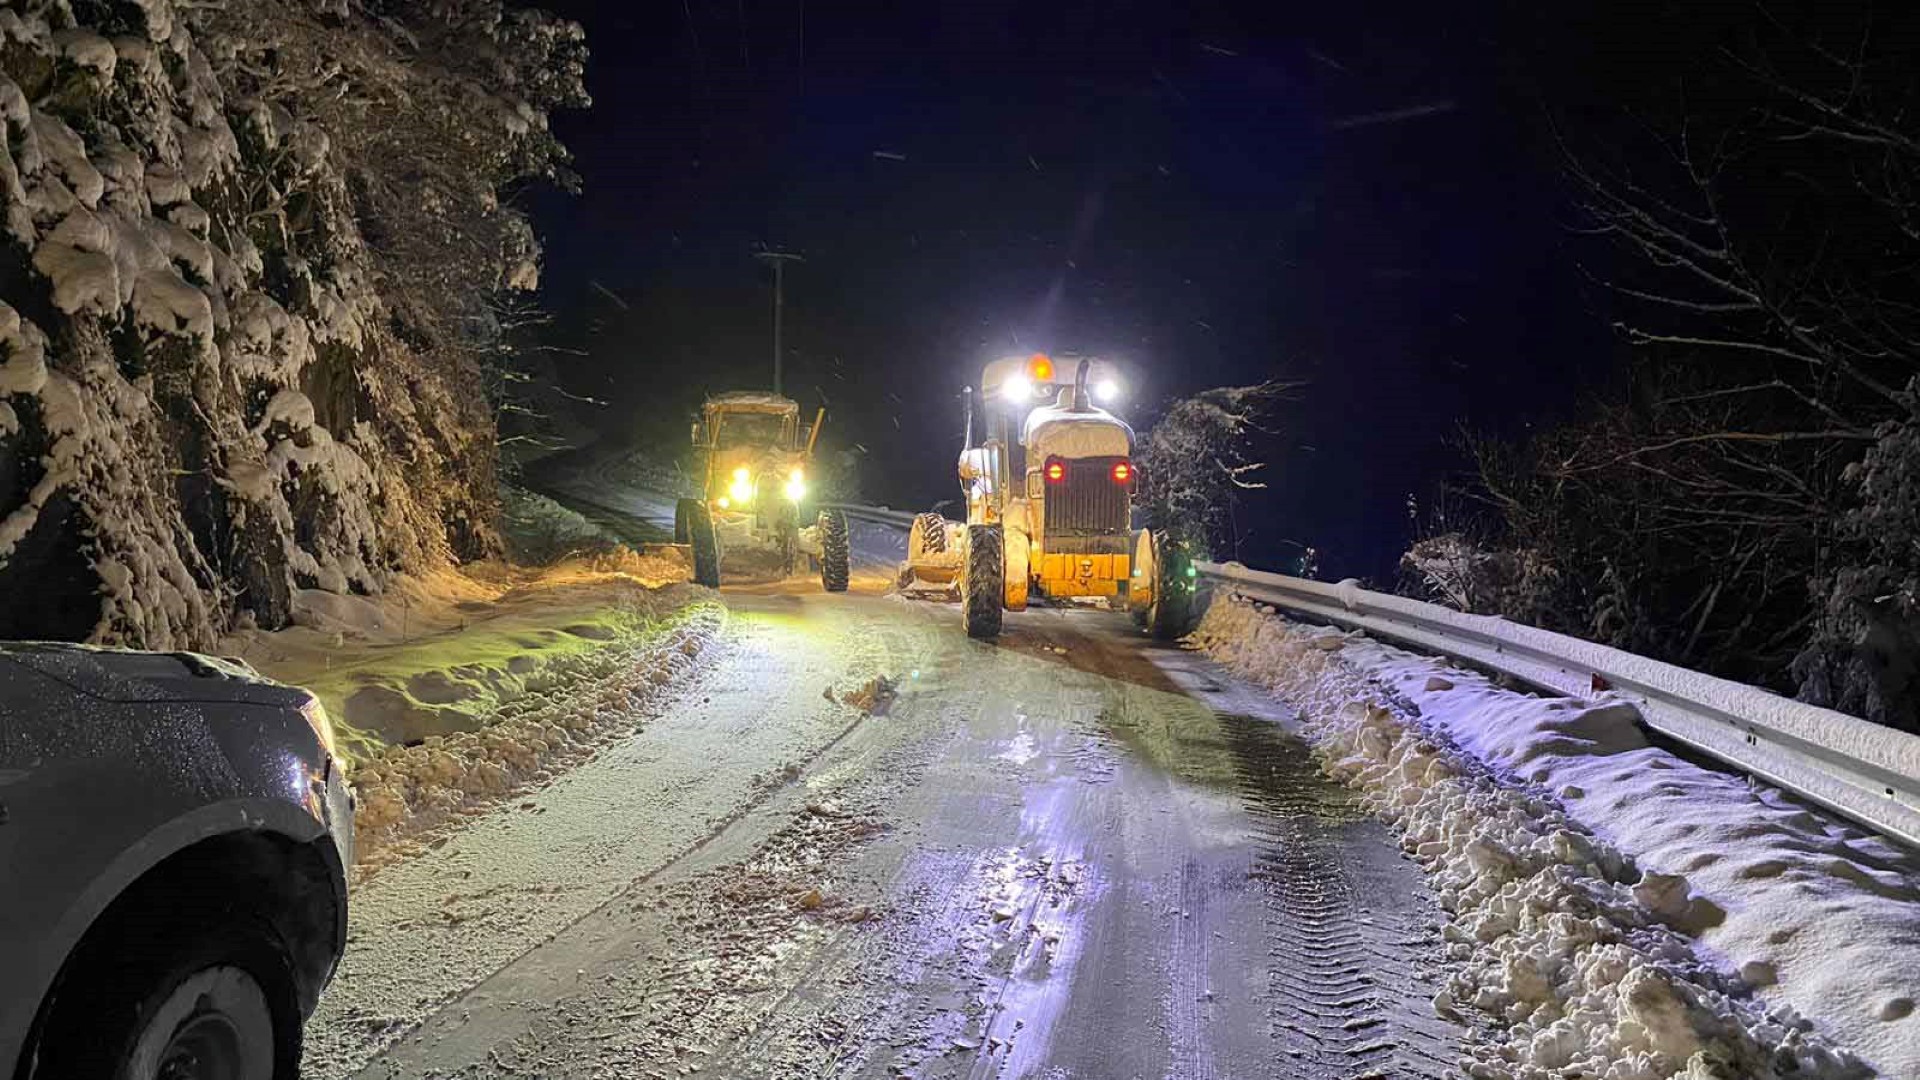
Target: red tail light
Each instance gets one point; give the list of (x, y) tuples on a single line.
[(1122, 472), (1056, 472)]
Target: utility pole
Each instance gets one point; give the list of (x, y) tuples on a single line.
[(779, 261)]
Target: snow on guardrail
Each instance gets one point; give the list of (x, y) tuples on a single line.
[(1865, 771)]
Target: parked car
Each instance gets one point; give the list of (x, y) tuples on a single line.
[(174, 837)]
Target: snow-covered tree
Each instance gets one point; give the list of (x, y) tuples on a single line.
[(247, 257), (1196, 463)]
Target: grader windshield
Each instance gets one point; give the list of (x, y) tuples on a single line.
[(755, 424), (753, 429)]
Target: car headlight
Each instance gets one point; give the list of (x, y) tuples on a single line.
[(742, 487), (316, 715), (797, 485)]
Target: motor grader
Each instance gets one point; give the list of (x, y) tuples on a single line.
[(1049, 490), (753, 458)]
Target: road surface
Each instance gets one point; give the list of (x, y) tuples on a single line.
[(1068, 854)]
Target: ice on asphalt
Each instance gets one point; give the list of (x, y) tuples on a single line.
[(1629, 914)]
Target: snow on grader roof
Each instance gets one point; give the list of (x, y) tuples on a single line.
[(753, 400), (1062, 430)]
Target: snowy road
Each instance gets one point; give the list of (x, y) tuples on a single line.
[(1068, 854)]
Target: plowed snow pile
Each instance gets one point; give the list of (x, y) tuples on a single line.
[(1625, 914), (453, 690)]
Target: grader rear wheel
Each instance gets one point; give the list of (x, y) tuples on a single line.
[(983, 586), (1170, 615)]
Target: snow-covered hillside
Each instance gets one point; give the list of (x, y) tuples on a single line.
[(237, 329)]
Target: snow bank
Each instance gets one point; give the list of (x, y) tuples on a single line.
[(1622, 913), (453, 689), (584, 701), (443, 653)]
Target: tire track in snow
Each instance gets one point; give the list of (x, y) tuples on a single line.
[(1350, 998)]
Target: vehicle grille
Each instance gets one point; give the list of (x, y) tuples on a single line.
[(1087, 513)]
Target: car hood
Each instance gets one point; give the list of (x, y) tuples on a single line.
[(132, 675)]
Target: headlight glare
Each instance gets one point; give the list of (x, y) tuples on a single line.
[(797, 485), (742, 487)]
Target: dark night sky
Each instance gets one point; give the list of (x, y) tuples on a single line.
[(1359, 196)]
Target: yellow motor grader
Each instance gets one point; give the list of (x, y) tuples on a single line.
[(753, 455), (1049, 491)]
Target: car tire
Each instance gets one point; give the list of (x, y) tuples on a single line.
[(836, 555), (150, 998)]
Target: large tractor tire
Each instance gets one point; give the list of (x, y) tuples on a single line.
[(683, 512), (928, 535), (835, 551), (983, 586), (703, 538), (1170, 615), (786, 536)]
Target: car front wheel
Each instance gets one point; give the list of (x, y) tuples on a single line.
[(214, 1025), (217, 1004)]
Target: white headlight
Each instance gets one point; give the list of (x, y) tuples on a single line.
[(1107, 390), (797, 485), (1017, 388)]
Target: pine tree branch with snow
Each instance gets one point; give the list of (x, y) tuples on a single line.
[(251, 251), (1195, 463)]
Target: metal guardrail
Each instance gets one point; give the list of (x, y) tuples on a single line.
[(1862, 770), (883, 515)]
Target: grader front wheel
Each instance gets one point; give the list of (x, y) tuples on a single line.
[(928, 536), (983, 585), (835, 555), (693, 520)]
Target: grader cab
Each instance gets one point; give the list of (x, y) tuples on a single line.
[(1049, 488), (753, 459)]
